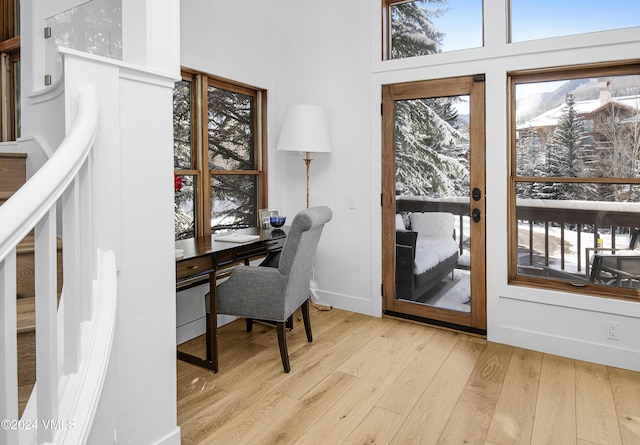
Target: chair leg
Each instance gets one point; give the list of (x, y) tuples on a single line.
[(249, 324), (307, 320), (282, 342)]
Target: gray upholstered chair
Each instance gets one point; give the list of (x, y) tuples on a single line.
[(275, 293)]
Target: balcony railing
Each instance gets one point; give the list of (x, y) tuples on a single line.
[(562, 235), (556, 239)]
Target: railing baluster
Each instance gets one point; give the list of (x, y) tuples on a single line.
[(546, 243), (579, 243), (8, 348), (530, 243), (562, 246), (87, 258), (46, 322), (461, 237), (72, 273)]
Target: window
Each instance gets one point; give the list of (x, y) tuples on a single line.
[(421, 27), (219, 154), (552, 18), (575, 177), (10, 70)]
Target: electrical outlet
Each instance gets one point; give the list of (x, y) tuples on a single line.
[(612, 330)]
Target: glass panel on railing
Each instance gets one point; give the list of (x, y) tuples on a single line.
[(94, 27)]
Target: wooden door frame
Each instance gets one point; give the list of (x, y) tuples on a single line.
[(473, 86)]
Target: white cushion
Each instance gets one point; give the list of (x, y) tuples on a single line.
[(437, 224), (431, 251), (400, 223)]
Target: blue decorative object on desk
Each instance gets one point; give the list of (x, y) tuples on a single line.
[(277, 221)]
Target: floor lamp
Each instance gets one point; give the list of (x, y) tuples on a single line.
[(305, 128)]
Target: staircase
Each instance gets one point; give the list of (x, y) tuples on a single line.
[(13, 176)]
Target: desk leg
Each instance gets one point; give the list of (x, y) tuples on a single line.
[(212, 320), (211, 360)]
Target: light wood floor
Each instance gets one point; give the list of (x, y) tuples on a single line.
[(365, 380)]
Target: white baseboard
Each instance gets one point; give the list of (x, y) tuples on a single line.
[(197, 327), (344, 302), (173, 438), (572, 348), (190, 330)]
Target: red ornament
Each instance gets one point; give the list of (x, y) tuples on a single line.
[(177, 183)]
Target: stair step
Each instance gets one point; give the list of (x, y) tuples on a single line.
[(13, 171), (25, 280), (13, 168)]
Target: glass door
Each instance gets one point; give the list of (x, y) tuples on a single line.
[(433, 202)]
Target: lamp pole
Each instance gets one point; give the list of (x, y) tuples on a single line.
[(307, 161)]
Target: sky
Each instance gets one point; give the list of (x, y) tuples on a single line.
[(535, 19), (549, 18), (526, 89), (462, 24)]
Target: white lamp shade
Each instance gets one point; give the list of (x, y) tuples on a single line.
[(305, 128)]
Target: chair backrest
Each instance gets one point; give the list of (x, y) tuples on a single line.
[(299, 251)]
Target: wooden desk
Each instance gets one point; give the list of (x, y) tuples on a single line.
[(205, 257)]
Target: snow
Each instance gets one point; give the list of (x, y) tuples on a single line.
[(570, 246), (594, 206), (550, 118), (455, 199)]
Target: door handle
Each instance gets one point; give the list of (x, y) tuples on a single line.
[(475, 215), (476, 194)]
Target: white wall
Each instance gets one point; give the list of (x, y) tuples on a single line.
[(329, 53), (276, 45)]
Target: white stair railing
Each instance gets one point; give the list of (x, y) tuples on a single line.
[(73, 340)]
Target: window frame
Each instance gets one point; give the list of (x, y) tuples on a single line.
[(10, 53), (622, 68), (200, 82)]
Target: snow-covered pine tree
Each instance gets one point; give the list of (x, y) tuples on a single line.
[(528, 163), (428, 156), (431, 153), (413, 33), (182, 154), (566, 156)]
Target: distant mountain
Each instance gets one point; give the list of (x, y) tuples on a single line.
[(582, 89), (559, 95), (537, 103)]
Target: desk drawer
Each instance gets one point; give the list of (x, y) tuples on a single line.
[(193, 267)]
